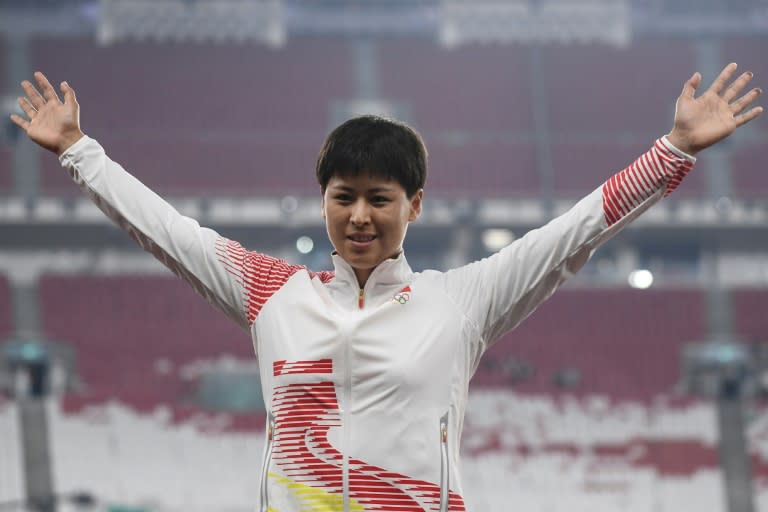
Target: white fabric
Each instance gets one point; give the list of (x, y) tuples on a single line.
[(359, 405)]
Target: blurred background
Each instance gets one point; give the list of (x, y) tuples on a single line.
[(640, 386)]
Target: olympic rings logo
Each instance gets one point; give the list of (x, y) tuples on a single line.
[(401, 298)]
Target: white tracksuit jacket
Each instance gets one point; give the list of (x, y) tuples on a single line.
[(366, 389)]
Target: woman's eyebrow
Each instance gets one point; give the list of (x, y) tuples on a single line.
[(373, 190)]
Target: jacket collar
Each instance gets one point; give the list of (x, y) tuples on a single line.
[(391, 271)]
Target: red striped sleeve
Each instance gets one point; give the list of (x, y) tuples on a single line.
[(661, 166), (260, 275)]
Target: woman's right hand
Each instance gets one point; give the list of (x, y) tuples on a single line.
[(51, 124)]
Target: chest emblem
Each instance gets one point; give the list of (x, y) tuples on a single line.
[(403, 296)]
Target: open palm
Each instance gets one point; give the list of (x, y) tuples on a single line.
[(53, 124), (715, 114)]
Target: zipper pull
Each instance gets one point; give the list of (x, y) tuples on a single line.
[(361, 299)]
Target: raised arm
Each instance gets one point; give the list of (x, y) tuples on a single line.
[(498, 292), (236, 281)]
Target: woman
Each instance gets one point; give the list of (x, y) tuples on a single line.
[(365, 369)]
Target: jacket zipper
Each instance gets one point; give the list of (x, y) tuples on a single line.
[(267, 459), (361, 299), (444, 464)]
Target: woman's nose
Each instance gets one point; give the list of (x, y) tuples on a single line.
[(361, 213)]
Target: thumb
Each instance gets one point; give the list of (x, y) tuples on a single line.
[(69, 94), (689, 89)]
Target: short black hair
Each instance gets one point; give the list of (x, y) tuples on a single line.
[(376, 145)]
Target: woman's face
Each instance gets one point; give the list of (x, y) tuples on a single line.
[(366, 218)]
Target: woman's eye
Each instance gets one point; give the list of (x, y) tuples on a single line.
[(344, 198), (380, 199)]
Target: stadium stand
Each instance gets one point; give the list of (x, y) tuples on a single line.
[(749, 319), (482, 169), (478, 145), (6, 176), (747, 158), (624, 355), (132, 335), (529, 424), (614, 119), (120, 339), (185, 167), (3, 64), (615, 91), (592, 453), (146, 110), (615, 439), (484, 90), (748, 166), (130, 459)]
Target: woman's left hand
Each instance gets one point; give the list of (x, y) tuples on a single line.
[(715, 114)]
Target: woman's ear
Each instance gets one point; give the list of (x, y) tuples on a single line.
[(322, 206), (416, 201)]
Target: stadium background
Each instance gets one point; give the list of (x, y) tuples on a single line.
[(640, 386)]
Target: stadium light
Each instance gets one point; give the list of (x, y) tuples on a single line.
[(640, 279), (183, 20), (545, 21), (305, 244), (496, 239)]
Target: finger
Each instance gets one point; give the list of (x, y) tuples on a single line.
[(34, 96), (21, 122), (49, 93), (736, 87), (68, 92), (27, 107), (719, 84), (742, 103), (748, 115), (689, 88)]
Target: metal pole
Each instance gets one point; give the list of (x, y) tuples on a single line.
[(33, 424), (734, 455)]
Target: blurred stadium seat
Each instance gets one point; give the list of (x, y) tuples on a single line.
[(748, 166), (252, 114), (6, 177), (130, 458), (482, 169), (750, 323), (473, 90), (132, 335), (750, 51), (623, 343), (594, 451), (615, 91)]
